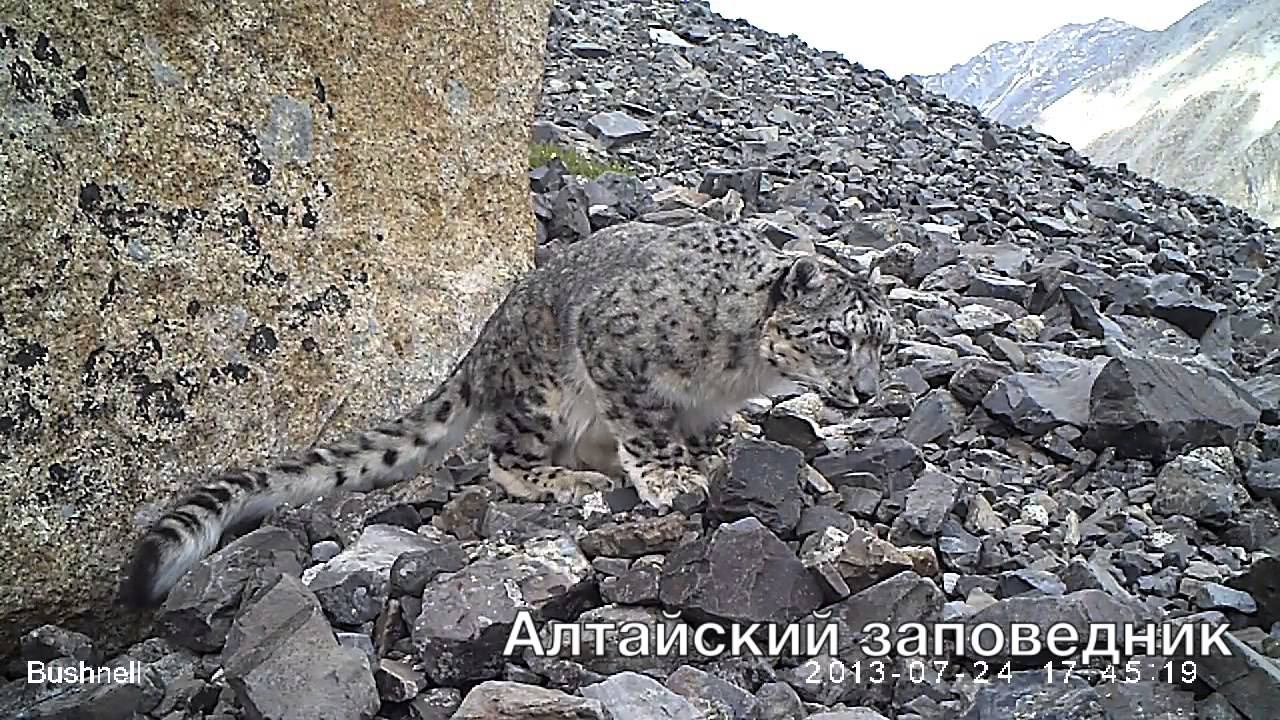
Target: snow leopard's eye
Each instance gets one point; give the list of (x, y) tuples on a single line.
[(839, 341)]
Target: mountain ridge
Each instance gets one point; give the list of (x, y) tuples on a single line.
[(1196, 105)]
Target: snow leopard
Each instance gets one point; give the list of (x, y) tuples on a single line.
[(611, 365)]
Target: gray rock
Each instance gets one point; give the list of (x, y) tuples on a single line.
[(710, 693), (974, 377), (1213, 596), (282, 661), (938, 249), (1216, 707), (353, 586), (1263, 479), (435, 704), (1080, 609), (631, 696), (324, 551), (1025, 693), (639, 585), (569, 219), (746, 182), (902, 598), (888, 460), (937, 417), (1156, 696), (413, 569), (398, 681), (1086, 316), (816, 518), (1259, 580), (853, 714), (616, 128), (784, 426), (761, 480), (858, 557), (1157, 407), (201, 606), (976, 318), (1265, 390), (625, 193), (1035, 403), (1175, 299), (1026, 581), (636, 538), (1051, 226), (50, 642), (997, 286), (1093, 574), (929, 500), (519, 522), (590, 50), (743, 573), (1201, 484), (1248, 680), (778, 701), (958, 548), (467, 617), (502, 700)]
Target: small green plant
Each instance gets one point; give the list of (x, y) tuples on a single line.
[(541, 153)]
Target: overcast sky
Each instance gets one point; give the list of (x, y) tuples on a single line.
[(929, 36)]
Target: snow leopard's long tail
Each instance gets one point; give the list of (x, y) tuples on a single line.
[(396, 451)]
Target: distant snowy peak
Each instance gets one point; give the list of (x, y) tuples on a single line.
[(1196, 105), (1014, 81)]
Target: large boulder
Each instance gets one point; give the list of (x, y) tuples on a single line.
[(1157, 407), (232, 233)]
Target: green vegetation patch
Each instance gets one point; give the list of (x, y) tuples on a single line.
[(542, 153)]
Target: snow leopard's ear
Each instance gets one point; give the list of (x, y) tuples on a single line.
[(805, 275)]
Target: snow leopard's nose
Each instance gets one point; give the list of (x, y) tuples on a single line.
[(866, 384)]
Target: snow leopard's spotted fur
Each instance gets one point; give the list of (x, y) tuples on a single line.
[(612, 362)]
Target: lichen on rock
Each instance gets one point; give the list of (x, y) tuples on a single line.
[(227, 234)]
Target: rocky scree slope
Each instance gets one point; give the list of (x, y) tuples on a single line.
[(1080, 425)]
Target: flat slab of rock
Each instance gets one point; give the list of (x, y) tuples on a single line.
[(283, 663), (761, 480), (617, 128), (854, 714), (1035, 403), (1026, 694), (1246, 679), (1265, 390), (903, 598), (632, 696), (1080, 609), (712, 693), (502, 700), (742, 572), (467, 616), (929, 501), (634, 539)]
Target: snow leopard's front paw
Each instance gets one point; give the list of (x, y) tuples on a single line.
[(569, 487), (659, 487)]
